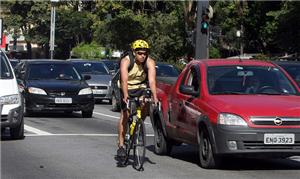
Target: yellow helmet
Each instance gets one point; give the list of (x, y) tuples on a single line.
[(140, 44)]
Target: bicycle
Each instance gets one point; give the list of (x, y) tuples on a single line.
[(135, 137)]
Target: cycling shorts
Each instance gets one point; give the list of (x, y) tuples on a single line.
[(131, 93)]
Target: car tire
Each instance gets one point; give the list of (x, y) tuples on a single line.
[(87, 114), (162, 146), (114, 103), (18, 132), (208, 159)]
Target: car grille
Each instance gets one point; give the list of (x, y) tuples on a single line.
[(259, 145), (4, 117), (99, 87), (276, 121), (99, 95), (62, 93)]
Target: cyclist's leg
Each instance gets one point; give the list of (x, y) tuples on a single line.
[(122, 128)]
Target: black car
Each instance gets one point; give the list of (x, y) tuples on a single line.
[(164, 71), (54, 85), (292, 68)]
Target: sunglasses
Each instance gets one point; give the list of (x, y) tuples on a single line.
[(142, 53)]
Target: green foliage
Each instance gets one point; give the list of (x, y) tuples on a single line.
[(268, 26), (214, 53), (89, 51), (262, 57)]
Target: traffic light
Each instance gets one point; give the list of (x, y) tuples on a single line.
[(207, 14), (204, 26)]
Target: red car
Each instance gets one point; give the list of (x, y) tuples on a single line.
[(235, 107)]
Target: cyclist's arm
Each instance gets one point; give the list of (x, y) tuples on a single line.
[(152, 78), (124, 76)]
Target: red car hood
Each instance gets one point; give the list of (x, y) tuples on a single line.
[(257, 105)]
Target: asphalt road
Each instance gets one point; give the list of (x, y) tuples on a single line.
[(67, 146)]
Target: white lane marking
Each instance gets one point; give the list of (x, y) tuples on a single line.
[(35, 130), (93, 135), (101, 114), (115, 117)]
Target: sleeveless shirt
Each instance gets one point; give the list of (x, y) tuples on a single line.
[(136, 77)]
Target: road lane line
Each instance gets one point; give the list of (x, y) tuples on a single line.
[(115, 117), (95, 135), (101, 114), (35, 130)]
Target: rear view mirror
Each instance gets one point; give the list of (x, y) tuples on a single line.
[(188, 90), (245, 73)]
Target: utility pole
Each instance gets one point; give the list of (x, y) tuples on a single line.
[(201, 45), (52, 28)]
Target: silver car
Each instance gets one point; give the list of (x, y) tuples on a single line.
[(100, 81)]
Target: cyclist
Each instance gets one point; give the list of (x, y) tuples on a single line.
[(133, 83)]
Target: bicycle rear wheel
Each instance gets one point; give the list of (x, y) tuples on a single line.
[(139, 143)]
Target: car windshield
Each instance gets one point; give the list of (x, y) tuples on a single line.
[(166, 71), (95, 68), (5, 70), (13, 63), (248, 80), (112, 65), (52, 71), (293, 71)]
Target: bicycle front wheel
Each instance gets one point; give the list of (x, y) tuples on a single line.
[(139, 144)]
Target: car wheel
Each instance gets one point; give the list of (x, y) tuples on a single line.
[(162, 146), (18, 132), (114, 103), (87, 114), (207, 158)]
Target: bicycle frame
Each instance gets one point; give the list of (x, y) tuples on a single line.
[(136, 131)]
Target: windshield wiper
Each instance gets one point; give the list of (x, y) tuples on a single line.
[(273, 93), (64, 78), (227, 92)]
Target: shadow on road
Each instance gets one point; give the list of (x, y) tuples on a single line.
[(189, 153)]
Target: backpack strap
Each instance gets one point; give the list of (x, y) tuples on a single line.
[(131, 57)]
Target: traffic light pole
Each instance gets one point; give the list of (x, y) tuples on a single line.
[(201, 47)]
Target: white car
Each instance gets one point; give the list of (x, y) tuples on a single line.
[(11, 107)]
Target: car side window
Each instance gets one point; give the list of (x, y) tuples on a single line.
[(192, 78)]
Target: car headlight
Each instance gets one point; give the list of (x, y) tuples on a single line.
[(10, 99), (85, 91), (231, 119), (34, 90), (109, 83)]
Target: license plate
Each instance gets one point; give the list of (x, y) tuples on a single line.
[(63, 100), (98, 91), (279, 139)]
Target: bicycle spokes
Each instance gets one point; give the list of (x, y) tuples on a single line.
[(139, 146)]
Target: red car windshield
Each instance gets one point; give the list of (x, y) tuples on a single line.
[(248, 80)]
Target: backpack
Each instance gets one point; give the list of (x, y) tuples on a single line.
[(117, 75)]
